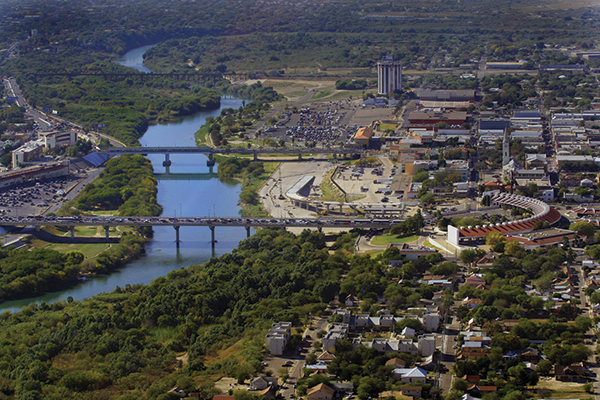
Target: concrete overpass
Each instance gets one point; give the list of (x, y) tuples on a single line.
[(212, 223), (167, 151)]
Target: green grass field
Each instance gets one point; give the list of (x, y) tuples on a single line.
[(559, 390), (384, 240)]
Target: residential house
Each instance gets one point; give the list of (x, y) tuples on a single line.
[(427, 363), (412, 391), (471, 303), (268, 393), (351, 301), (410, 375), (396, 362), (471, 378), (263, 382), (475, 280), (484, 389), (570, 373), (473, 352), (319, 367), (326, 357), (320, 392)]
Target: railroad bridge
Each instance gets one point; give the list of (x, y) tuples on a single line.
[(141, 76)]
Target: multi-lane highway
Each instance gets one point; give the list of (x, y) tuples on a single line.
[(199, 221)]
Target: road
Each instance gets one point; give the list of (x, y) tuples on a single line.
[(74, 191), (448, 356)]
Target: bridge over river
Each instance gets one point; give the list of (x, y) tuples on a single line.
[(298, 151), (212, 223)]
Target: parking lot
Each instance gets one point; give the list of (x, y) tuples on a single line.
[(34, 197), (324, 123)]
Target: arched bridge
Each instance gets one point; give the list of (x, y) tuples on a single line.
[(212, 223)]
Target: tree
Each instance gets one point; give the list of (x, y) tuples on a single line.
[(470, 255), (427, 199), (544, 367), (494, 239), (514, 249), (6, 159), (460, 385), (583, 228)]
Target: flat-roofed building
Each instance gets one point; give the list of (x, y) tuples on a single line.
[(432, 117), (505, 65), (447, 95), (544, 238), (30, 151), (38, 172), (64, 138)]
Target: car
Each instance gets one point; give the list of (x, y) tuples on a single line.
[(292, 396)]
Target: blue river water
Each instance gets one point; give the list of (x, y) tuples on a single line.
[(202, 196)]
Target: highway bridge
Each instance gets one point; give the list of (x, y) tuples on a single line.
[(210, 222), (233, 150)]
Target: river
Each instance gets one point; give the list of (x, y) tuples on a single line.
[(204, 195)]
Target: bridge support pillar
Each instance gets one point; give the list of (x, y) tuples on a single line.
[(255, 156), (299, 156), (212, 236), (335, 156), (177, 234), (210, 162), (341, 206), (167, 162), (107, 230), (247, 231), (72, 229)]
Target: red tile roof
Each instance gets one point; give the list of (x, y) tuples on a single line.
[(541, 211)]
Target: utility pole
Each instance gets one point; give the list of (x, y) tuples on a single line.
[(280, 185)]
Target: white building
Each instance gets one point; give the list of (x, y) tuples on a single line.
[(427, 344), (30, 151), (431, 320), (277, 337), (389, 76), (337, 331), (59, 138)]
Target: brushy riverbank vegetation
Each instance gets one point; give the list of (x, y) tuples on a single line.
[(126, 184), (126, 106), (233, 124), (252, 175), (127, 342), (32, 272)]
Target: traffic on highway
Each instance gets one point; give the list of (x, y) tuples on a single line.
[(197, 221)]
